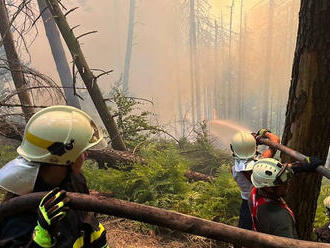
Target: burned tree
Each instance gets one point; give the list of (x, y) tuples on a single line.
[(14, 63), (308, 117), (86, 74)]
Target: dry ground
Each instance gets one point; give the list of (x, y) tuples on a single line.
[(130, 234)]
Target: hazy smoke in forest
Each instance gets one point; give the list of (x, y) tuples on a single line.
[(161, 55)]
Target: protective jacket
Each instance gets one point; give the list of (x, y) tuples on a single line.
[(271, 216), (76, 230)]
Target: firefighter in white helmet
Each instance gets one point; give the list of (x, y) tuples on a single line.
[(244, 148), (270, 213), (323, 233), (50, 159)]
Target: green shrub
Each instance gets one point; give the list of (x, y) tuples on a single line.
[(7, 153), (161, 183), (320, 217), (157, 183)]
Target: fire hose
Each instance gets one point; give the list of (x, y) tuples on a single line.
[(296, 155), (160, 217)]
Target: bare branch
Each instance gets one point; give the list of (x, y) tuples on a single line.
[(75, 27), (21, 105), (82, 35), (104, 73), (71, 10)]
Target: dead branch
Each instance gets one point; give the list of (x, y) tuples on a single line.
[(196, 176), (71, 10), (82, 35), (21, 105), (75, 27), (103, 73)]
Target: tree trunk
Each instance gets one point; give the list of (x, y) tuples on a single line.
[(192, 44), (14, 62), (129, 45), (160, 217), (57, 49), (86, 74), (231, 105), (267, 75), (308, 118), (240, 66)]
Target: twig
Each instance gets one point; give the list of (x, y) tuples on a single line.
[(34, 22), (74, 27), (131, 97), (71, 10), (21, 105), (82, 35), (104, 73)]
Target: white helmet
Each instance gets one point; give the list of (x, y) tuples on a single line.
[(243, 145), (269, 172), (326, 202), (58, 135)]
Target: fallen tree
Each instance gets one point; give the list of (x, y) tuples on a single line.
[(160, 217)]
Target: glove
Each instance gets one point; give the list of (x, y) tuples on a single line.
[(52, 209), (98, 238), (263, 131), (310, 165)]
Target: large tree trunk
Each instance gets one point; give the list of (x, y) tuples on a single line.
[(86, 74), (14, 62), (129, 45), (308, 118), (161, 217), (61, 62)]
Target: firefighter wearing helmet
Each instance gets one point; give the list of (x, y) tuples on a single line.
[(50, 159), (270, 213), (244, 148)]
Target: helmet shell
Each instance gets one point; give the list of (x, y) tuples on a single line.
[(58, 135), (265, 172), (244, 145), (326, 202)]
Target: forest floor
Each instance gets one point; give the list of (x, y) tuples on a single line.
[(130, 234)]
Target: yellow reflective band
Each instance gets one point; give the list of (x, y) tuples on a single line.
[(95, 235), (79, 242), (39, 142)]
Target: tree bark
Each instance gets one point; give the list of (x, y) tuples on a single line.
[(13, 61), (160, 217), (86, 74), (129, 45), (61, 62), (308, 118)]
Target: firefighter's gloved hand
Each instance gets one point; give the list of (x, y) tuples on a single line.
[(261, 132), (310, 165), (52, 209), (99, 238)]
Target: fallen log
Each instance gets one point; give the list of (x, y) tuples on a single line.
[(196, 176), (160, 217)]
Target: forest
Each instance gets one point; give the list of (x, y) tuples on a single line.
[(169, 82)]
